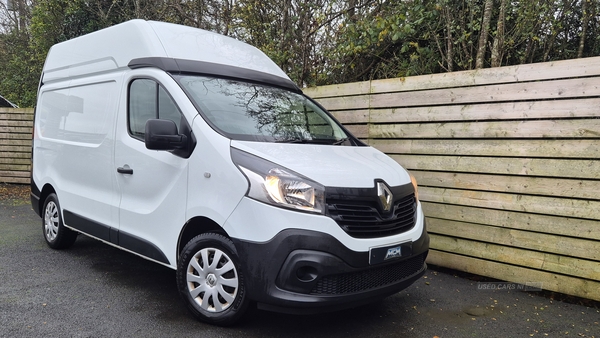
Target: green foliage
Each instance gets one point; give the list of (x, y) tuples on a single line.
[(19, 69), (293, 33), (391, 41), (321, 41)]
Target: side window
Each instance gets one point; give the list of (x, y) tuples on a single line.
[(149, 100)]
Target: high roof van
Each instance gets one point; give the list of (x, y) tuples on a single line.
[(197, 152)]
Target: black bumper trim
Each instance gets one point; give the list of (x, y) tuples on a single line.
[(273, 280), (35, 196), (114, 236)]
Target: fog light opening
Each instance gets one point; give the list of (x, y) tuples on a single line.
[(307, 274)]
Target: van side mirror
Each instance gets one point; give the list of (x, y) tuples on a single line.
[(162, 135)]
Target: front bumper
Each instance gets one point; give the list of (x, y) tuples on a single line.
[(304, 271)]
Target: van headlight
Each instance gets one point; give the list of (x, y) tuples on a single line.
[(413, 180), (279, 186)]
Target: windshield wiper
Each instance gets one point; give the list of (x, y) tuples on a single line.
[(341, 141), (293, 140), (311, 141)]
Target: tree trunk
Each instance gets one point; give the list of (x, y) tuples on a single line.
[(483, 37), (585, 20), (21, 9), (449, 41), (528, 48), (556, 26), (467, 50), (498, 46), (227, 16), (549, 47), (352, 11)]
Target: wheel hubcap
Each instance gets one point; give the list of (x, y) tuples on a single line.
[(212, 280), (51, 221)]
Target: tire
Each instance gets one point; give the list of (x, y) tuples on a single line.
[(213, 290), (55, 233)]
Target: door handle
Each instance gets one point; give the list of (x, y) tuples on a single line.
[(125, 170)]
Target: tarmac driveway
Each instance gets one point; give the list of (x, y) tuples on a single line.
[(95, 290)]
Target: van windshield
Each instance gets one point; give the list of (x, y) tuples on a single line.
[(254, 112)]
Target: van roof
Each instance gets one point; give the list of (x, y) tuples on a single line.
[(125, 44)]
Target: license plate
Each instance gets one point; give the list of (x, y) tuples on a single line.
[(387, 253)]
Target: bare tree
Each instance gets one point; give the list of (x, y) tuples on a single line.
[(498, 45), (586, 14), (483, 35), (15, 15)]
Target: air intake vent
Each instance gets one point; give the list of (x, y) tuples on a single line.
[(373, 278)]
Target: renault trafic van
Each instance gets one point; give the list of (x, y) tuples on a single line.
[(195, 151)]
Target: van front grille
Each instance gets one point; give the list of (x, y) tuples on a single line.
[(363, 219)]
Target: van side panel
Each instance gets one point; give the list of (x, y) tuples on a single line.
[(74, 145), (217, 185)]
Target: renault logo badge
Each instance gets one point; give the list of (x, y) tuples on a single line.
[(385, 196)]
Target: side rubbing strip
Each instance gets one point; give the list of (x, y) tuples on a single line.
[(87, 226), (142, 247), (114, 236)]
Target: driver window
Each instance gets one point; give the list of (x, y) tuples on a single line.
[(149, 100)]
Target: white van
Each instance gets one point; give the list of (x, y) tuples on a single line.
[(195, 151)]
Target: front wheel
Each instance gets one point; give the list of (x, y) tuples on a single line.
[(210, 281), (56, 234)]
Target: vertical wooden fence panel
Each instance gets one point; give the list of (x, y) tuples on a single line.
[(15, 144), (507, 163)]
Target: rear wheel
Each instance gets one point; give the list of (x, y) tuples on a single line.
[(56, 234), (210, 281)]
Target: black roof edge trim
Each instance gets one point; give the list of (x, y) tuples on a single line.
[(209, 68)]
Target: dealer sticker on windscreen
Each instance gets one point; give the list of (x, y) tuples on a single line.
[(387, 253)]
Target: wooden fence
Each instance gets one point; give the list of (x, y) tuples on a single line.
[(15, 144), (506, 160)]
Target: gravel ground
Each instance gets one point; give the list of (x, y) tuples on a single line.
[(95, 290)]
